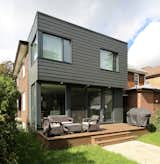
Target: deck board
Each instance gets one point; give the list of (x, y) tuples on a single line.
[(85, 137)]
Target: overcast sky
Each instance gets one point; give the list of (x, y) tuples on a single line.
[(134, 21)]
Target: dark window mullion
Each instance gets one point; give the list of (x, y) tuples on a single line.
[(62, 40), (114, 62)]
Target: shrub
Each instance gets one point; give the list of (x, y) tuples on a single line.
[(8, 97), (155, 120), (28, 148), (151, 128)]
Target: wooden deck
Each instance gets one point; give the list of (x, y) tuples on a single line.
[(109, 134)]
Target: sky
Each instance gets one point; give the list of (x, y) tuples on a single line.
[(136, 22)]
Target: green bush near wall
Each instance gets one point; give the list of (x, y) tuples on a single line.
[(155, 121), (8, 97)]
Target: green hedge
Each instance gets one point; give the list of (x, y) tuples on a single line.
[(8, 97), (155, 121)]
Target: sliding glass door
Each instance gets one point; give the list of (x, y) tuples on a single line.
[(81, 101), (100, 103), (78, 109), (94, 101), (52, 99), (108, 105)]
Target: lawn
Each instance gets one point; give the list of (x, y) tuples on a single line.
[(151, 138), (30, 150)]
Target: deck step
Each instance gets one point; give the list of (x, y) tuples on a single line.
[(107, 137), (115, 140), (112, 135)]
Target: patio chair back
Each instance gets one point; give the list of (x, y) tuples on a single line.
[(60, 118)]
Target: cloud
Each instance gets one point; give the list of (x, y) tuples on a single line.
[(7, 55), (146, 50), (120, 19)]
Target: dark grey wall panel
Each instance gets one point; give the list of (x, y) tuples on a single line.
[(33, 73), (33, 76), (85, 67), (117, 105)]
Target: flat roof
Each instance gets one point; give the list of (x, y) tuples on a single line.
[(84, 28), (146, 86)]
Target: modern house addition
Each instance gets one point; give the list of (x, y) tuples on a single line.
[(70, 70)]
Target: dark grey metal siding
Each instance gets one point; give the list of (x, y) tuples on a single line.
[(33, 76), (86, 45), (117, 105)]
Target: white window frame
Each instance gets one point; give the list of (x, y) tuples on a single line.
[(23, 101), (136, 79), (23, 71)]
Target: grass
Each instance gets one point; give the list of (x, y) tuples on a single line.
[(29, 150), (151, 138)]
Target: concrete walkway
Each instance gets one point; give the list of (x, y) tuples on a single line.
[(138, 151)]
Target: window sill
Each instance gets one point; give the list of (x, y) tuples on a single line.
[(55, 60), (109, 70)]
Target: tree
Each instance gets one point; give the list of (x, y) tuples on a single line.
[(8, 97), (6, 68)]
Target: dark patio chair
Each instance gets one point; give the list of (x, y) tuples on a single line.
[(91, 124), (52, 127), (59, 124)]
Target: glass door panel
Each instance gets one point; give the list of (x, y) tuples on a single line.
[(52, 99), (108, 105), (78, 111), (94, 101)]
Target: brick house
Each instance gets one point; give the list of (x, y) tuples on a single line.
[(136, 77), (21, 67), (139, 93)]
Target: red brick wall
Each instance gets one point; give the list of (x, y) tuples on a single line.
[(157, 101), (131, 99), (22, 85), (146, 99)]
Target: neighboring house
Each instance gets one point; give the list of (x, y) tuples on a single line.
[(153, 76), (136, 77), (72, 71), (139, 93), (22, 81)]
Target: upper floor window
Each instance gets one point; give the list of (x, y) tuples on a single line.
[(23, 71), (136, 78), (56, 48), (34, 49), (109, 61)]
